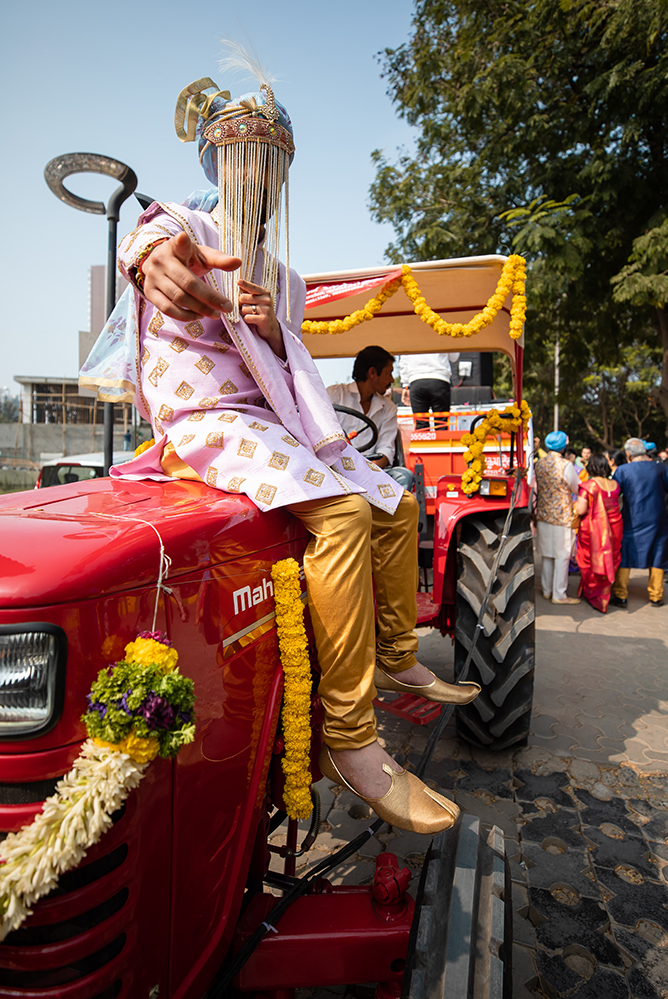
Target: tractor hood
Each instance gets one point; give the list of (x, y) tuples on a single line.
[(76, 541)]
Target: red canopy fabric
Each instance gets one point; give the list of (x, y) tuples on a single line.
[(331, 291)]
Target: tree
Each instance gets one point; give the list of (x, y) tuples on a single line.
[(644, 282), (9, 410), (555, 107), (618, 401)]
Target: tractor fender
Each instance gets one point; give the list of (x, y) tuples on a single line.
[(452, 507)]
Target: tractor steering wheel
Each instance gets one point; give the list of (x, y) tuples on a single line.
[(364, 419)]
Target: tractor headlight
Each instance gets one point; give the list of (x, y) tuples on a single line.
[(32, 678), (494, 487)]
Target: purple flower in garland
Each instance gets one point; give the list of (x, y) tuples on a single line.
[(157, 712), (96, 706), (157, 636), (185, 717), (123, 703)]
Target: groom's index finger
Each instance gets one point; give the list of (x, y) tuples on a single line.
[(220, 261)]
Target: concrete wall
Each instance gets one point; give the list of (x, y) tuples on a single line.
[(35, 440), (12, 480)]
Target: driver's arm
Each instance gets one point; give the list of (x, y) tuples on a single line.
[(388, 428)]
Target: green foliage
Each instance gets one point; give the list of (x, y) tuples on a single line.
[(608, 403), (541, 129), (503, 376), (123, 699), (644, 280), (9, 411)]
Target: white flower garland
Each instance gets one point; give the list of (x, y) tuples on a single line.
[(71, 821)]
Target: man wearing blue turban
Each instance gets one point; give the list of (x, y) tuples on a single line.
[(556, 481)]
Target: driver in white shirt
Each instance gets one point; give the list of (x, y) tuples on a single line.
[(373, 375)]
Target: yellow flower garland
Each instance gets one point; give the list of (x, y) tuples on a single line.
[(512, 280), (144, 447), (148, 652), (138, 749), (296, 712), (475, 442)]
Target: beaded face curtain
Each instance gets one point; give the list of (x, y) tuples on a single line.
[(253, 162)]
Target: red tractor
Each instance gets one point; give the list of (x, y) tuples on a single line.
[(179, 898)]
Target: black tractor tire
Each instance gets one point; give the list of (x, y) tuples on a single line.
[(460, 946), (503, 660)]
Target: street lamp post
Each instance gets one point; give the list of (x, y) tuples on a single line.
[(54, 173), (556, 383)]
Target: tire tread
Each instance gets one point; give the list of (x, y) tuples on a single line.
[(503, 662)]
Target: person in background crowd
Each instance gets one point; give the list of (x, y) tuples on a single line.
[(652, 451), (644, 485), (599, 548), (585, 455), (372, 376), (615, 458), (663, 455), (573, 566), (425, 383), (537, 449), (579, 468), (556, 481)]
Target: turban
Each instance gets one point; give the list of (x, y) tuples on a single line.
[(556, 441)]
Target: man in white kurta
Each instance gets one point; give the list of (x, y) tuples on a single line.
[(373, 375)]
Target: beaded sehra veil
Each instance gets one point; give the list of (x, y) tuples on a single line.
[(251, 140)]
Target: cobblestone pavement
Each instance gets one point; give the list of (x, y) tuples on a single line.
[(584, 805)]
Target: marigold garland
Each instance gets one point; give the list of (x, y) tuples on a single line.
[(512, 281), (293, 647), (475, 442), (144, 446), (137, 709)]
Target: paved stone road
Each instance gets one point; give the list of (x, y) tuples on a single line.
[(584, 805)]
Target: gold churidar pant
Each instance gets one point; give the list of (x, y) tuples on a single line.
[(354, 544), (654, 585)]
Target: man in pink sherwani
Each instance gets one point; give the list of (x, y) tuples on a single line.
[(235, 400)]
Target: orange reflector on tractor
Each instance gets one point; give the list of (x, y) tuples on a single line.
[(494, 487)]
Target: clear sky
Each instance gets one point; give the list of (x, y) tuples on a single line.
[(82, 76)]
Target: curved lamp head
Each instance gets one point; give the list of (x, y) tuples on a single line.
[(63, 166)]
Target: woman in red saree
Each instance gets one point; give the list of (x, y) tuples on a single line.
[(600, 533)]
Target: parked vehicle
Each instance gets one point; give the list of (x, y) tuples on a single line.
[(76, 468), (183, 883)]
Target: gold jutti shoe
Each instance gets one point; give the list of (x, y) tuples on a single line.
[(408, 804), (437, 690)]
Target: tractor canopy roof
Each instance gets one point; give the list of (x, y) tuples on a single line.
[(456, 289)]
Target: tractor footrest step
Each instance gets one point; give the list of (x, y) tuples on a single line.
[(461, 939), (410, 707)]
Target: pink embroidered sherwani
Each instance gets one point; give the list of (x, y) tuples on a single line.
[(233, 411), (247, 422)]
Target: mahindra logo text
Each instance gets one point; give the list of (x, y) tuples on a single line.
[(246, 598)]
